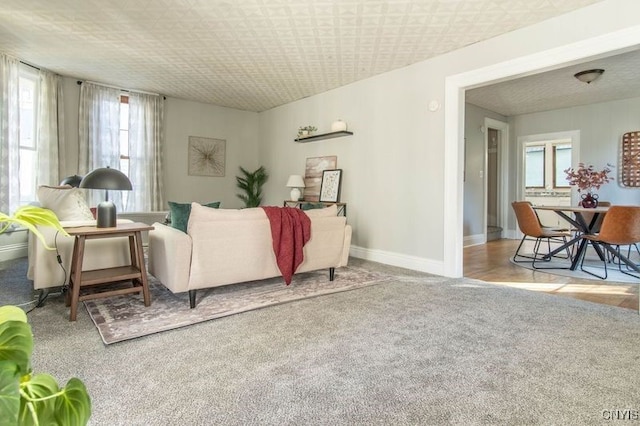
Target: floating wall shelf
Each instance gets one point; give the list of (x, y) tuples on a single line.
[(322, 136)]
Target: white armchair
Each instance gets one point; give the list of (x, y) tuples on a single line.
[(46, 271)]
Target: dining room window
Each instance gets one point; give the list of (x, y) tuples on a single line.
[(545, 163)]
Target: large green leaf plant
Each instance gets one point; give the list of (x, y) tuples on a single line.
[(251, 183), (30, 217), (27, 398), (33, 399)]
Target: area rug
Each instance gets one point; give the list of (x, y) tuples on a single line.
[(125, 317)]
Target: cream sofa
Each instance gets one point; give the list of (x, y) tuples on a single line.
[(46, 271), (224, 246)]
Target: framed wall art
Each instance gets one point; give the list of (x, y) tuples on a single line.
[(206, 156), (330, 186), (313, 175)]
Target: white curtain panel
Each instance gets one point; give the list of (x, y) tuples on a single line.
[(48, 137), (146, 115), (9, 134), (98, 132)]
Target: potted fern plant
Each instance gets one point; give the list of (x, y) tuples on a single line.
[(251, 185)]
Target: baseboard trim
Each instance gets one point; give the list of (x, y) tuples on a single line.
[(13, 251), (395, 259), (474, 240)]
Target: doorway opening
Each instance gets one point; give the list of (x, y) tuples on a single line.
[(496, 142)]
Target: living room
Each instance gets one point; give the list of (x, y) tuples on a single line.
[(402, 166)]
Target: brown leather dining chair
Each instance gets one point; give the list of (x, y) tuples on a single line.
[(620, 227), (530, 226)]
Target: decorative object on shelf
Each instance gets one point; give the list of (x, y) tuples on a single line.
[(206, 156), (313, 175), (106, 178), (306, 131), (338, 126), (251, 183), (295, 182), (630, 170), (589, 76), (27, 397), (330, 187), (586, 178)]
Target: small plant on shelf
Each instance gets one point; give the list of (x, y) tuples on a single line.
[(306, 131)]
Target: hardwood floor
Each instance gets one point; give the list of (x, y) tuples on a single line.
[(490, 262)]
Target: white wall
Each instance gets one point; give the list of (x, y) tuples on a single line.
[(402, 180)]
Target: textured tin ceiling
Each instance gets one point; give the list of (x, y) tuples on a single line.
[(251, 54), (560, 89)]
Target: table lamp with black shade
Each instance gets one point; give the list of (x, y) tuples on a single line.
[(106, 178)]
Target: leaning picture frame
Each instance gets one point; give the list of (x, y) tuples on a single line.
[(330, 186)]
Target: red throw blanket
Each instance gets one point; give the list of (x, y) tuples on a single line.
[(290, 230)]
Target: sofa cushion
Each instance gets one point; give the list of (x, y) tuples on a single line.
[(199, 213), (179, 213), (66, 202), (332, 210)]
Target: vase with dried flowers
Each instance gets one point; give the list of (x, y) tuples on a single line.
[(587, 179)]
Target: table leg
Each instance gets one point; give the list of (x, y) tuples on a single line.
[(76, 279), (143, 270)]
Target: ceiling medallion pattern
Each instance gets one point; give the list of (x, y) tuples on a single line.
[(251, 54)]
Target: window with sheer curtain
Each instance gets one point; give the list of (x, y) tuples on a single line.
[(123, 131), (30, 114)]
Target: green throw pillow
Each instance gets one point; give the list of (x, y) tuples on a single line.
[(310, 206), (180, 213)]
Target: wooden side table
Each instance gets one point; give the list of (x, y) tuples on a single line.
[(136, 271), (342, 207)]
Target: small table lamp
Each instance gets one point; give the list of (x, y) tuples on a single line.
[(295, 182), (106, 178)]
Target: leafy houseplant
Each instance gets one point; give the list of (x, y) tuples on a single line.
[(33, 399), (586, 178), (27, 398), (306, 130), (251, 183)]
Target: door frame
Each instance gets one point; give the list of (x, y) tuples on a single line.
[(455, 86), (502, 169)]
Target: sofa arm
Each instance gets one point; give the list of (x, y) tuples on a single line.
[(170, 257), (347, 245)]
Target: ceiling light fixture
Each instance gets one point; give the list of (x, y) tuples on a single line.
[(589, 75)]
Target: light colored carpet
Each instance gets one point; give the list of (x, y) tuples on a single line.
[(413, 350), (125, 317)]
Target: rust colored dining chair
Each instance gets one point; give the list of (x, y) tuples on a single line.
[(529, 225), (620, 227)]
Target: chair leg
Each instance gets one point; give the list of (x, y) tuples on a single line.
[(593, 243)]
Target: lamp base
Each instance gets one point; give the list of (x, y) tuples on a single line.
[(106, 215), (295, 194)]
